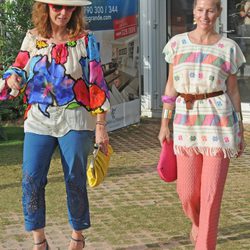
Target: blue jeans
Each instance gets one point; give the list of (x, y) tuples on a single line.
[(38, 149)]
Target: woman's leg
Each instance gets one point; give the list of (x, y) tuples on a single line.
[(40, 241), (74, 148), (37, 153), (214, 173), (188, 188)]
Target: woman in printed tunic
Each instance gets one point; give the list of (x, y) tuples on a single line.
[(207, 125), (59, 71)]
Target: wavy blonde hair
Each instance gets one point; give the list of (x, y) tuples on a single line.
[(41, 21)]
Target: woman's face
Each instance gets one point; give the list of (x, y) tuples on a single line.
[(205, 13), (60, 15)]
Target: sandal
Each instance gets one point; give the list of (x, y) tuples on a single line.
[(79, 241), (42, 242)]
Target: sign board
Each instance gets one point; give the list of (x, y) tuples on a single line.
[(115, 24), (123, 114), (102, 13)]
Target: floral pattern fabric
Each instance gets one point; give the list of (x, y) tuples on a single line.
[(47, 80), (64, 76), (211, 126)]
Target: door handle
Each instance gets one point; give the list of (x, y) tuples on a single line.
[(229, 31)]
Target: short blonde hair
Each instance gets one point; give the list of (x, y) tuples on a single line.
[(41, 21), (218, 4)]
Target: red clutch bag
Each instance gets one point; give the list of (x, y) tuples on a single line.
[(167, 165)]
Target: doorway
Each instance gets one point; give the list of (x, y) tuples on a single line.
[(180, 16), (236, 25)]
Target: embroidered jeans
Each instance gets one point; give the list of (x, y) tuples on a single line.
[(38, 149)]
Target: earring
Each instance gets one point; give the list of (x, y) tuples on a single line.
[(194, 21)]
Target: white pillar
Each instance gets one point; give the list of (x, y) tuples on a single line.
[(153, 68)]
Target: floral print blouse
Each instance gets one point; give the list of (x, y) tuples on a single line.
[(63, 84)]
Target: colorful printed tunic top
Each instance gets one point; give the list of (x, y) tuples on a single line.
[(211, 126), (63, 84)]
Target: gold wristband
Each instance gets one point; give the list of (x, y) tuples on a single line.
[(239, 116), (167, 113)]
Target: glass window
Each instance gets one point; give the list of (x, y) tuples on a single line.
[(182, 19), (239, 30)]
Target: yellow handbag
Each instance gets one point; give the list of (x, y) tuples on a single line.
[(98, 166)]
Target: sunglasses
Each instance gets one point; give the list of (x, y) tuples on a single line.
[(58, 8)]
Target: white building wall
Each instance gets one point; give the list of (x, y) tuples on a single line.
[(153, 36)]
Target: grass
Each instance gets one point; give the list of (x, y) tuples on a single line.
[(11, 149), (11, 172)]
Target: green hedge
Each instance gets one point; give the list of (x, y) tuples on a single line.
[(15, 20)]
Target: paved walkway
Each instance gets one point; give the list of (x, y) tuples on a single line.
[(134, 210)]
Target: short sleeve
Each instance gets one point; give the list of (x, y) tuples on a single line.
[(169, 50), (237, 59)]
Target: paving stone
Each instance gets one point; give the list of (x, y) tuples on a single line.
[(132, 184)]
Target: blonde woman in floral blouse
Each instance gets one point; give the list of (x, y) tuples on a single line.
[(59, 70), (207, 125)]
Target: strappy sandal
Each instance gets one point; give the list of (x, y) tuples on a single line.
[(42, 242), (78, 241)]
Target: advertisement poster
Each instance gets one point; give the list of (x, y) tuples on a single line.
[(115, 24)]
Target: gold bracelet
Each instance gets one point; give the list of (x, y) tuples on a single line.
[(239, 116), (167, 113)]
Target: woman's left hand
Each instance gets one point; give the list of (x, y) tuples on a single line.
[(102, 138)]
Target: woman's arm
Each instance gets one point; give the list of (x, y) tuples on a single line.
[(234, 95), (99, 93), (101, 134), (233, 92), (170, 91), (15, 77)]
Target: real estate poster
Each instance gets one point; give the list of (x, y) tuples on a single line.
[(115, 24)]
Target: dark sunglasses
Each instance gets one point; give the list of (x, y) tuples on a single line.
[(58, 8)]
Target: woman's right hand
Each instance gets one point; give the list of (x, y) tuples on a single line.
[(14, 82), (164, 134)]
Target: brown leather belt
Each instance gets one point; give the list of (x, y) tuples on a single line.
[(189, 98)]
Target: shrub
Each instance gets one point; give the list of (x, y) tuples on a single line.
[(15, 20)]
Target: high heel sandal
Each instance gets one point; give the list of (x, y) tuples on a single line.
[(78, 241), (42, 242)]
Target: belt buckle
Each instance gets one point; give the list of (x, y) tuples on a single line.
[(205, 96)]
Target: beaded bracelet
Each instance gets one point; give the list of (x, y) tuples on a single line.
[(167, 114), (168, 99)]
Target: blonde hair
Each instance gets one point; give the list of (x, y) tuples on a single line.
[(41, 21), (218, 4)]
